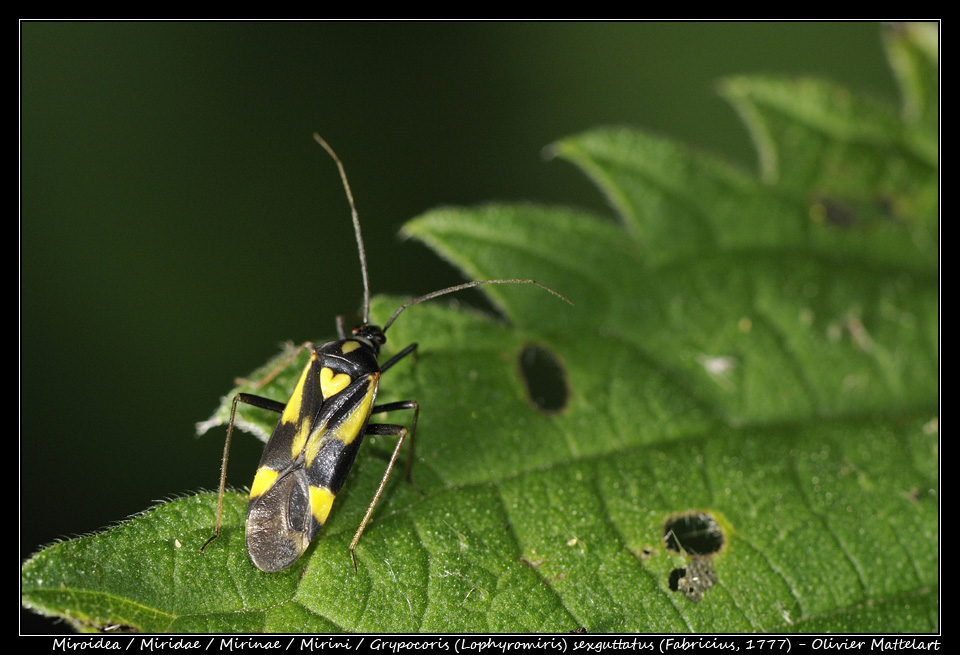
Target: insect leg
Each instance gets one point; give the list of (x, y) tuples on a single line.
[(341, 330), (392, 407), (396, 358), (262, 382), (248, 399), (386, 429)]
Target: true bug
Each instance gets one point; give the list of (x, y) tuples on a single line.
[(312, 448)]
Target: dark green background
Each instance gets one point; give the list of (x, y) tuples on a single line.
[(177, 220)]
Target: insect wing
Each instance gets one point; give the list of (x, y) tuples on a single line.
[(278, 527), (331, 449)]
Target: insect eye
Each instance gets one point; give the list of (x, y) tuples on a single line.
[(372, 333)]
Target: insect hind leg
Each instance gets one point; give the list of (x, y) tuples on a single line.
[(385, 430), (393, 407), (247, 399)]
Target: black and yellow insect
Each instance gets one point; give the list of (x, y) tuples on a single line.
[(315, 442)]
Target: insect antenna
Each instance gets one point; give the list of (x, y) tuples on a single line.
[(363, 257), (356, 227), (468, 285)]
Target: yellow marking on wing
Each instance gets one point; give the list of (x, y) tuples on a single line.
[(299, 439), (350, 428), (330, 384), (291, 413), (313, 448), (353, 424), (264, 480), (349, 346), (321, 500)]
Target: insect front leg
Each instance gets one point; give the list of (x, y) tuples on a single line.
[(247, 399), (396, 358), (396, 430)]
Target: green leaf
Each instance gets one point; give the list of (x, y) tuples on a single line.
[(847, 163), (913, 52), (752, 361)]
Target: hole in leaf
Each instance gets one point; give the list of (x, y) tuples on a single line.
[(693, 579), (830, 211), (545, 378), (850, 213), (644, 553), (885, 208), (693, 533)]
